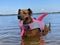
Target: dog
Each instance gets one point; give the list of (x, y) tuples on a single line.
[(31, 35), (25, 15)]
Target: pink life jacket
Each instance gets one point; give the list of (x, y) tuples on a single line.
[(38, 23)]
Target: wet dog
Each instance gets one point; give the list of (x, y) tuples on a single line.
[(25, 15)]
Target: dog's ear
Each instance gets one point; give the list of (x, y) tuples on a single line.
[(30, 11), (19, 13)]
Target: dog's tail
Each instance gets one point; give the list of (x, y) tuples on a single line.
[(50, 27)]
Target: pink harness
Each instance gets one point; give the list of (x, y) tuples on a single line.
[(39, 20)]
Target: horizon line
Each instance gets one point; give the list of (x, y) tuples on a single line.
[(32, 13)]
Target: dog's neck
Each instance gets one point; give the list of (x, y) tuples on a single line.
[(28, 21)]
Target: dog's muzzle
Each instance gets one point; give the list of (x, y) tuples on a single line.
[(26, 18)]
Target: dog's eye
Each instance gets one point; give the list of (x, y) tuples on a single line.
[(24, 13)]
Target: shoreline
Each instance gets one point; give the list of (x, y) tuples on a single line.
[(33, 13)]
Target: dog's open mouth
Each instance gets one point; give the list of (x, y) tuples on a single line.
[(26, 19)]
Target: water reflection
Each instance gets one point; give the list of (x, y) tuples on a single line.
[(33, 41), (10, 32)]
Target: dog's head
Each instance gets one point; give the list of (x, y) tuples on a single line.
[(24, 14)]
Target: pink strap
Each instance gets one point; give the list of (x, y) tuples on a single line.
[(42, 16), (21, 25), (35, 20), (41, 23), (22, 32), (40, 19)]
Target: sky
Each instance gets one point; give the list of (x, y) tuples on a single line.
[(12, 6)]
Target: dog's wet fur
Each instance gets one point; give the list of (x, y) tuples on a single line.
[(31, 36), (25, 15)]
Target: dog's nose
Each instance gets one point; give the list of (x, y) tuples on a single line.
[(26, 18)]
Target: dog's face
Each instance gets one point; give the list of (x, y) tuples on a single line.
[(24, 14)]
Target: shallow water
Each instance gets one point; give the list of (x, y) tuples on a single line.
[(9, 30)]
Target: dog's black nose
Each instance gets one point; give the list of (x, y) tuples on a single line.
[(26, 18)]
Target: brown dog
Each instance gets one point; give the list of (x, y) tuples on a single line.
[(31, 36), (25, 15)]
